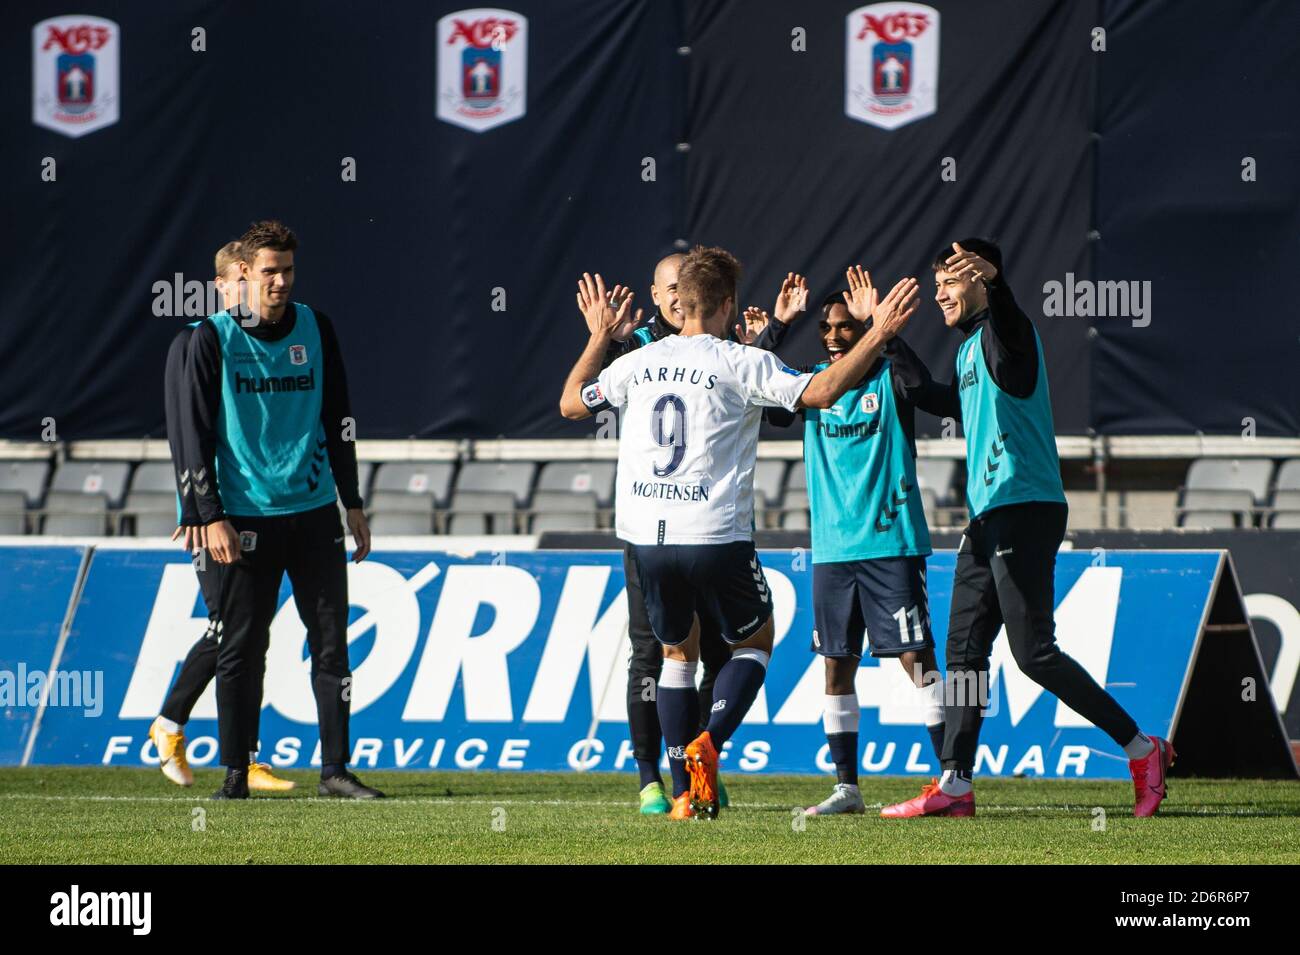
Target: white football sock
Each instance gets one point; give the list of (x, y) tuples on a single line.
[(679, 674), (168, 726), (1139, 747), (933, 695), (954, 785), (841, 714)]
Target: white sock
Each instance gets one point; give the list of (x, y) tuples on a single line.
[(1139, 747), (953, 784), (167, 725), (252, 757), (841, 714), (933, 695), (679, 674)]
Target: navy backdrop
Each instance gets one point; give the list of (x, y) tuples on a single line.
[(1122, 165)]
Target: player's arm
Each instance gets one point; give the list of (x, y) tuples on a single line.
[(1010, 352), (335, 414), (582, 395), (200, 408), (890, 316), (913, 384), (187, 526), (765, 331)]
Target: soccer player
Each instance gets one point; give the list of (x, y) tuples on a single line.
[(646, 661), (692, 404), (200, 666), (267, 407), (1007, 558), (869, 533)]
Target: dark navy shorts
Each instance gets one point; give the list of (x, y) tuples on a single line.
[(883, 600), (723, 583)]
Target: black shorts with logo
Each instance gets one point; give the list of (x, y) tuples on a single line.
[(721, 582), (883, 600)]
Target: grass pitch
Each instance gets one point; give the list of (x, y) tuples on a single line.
[(117, 815)]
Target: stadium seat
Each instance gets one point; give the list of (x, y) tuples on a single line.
[(365, 470), (1288, 520), (1286, 499), (1239, 503), (1146, 509), (929, 504), (30, 477), (1085, 510), (400, 513), (1228, 474), (416, 477), (769, 476), (1208, 520), (482, 512), (154, 477), (106, 479), (797, 479), (149, 513), (1288, 475), (794, 515), (937, 475), (596, 477), (512, 477), (74, 513), (13, 512), (563, 511)]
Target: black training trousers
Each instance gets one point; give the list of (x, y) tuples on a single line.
[(200, 664), (647, 662), (1006, 567), (309, 547)]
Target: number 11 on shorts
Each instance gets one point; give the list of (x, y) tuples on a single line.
[(902, 615)]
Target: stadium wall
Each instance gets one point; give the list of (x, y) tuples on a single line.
[(517, 660), (447, 256)]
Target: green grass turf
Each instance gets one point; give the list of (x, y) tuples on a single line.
[(97, 815)]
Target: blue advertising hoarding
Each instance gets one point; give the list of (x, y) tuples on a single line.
[(37, 585), (517, 660)]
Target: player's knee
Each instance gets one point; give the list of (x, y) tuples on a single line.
[(682, 652), (915, 666), (1038, 662), (762, 638), (840, 675)]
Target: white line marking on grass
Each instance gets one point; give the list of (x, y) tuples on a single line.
[(453, 801)]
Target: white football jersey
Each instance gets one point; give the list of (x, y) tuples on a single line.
[(688, 435)]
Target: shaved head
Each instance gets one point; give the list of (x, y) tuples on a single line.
[(664, 289)]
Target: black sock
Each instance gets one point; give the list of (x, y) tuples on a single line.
[(330, 770), (734, 693), (649, 772), (844, 753), (936, 739)]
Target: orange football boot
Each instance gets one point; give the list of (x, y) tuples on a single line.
[(682, 807), (702, 763)]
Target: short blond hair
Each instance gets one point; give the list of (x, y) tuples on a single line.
[(226, 256)]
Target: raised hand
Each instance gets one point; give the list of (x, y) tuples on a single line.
[(755, 320), (897, 307), (606, 312), (969, 265), (792, 300), (861, 298)]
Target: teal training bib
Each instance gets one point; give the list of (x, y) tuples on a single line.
[(1010, 442), (862, 477), (271, 452)]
